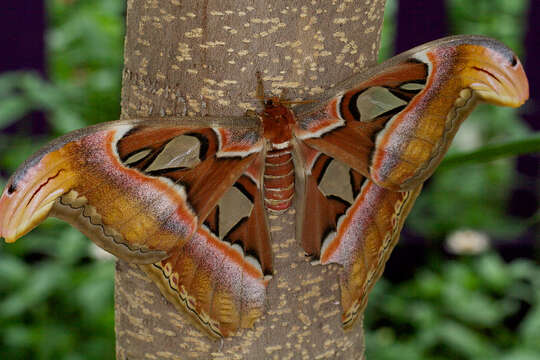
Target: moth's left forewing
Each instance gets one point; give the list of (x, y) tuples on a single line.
[(117, 182), (395, 123)]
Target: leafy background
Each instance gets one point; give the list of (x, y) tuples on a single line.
[(56, 290)]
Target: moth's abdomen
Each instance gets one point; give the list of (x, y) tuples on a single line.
[(279, 180)]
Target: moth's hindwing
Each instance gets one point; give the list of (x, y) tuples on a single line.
[(220, 275), (351, 221)]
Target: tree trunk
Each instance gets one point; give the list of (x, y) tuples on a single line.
[(200, 57)]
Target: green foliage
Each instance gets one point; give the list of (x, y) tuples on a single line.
[(56, 299), (500, 19), (467, 309), (55, 302), (524, 145), (388, 31), (84, 43)]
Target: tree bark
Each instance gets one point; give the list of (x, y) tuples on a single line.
[(200, 57)]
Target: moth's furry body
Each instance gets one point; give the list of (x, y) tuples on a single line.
[(278, 125)]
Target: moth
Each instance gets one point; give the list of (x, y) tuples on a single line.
[(188, 198)]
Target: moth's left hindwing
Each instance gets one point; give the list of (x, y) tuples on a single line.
[(220, 274)]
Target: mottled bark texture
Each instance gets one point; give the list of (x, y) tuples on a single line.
[(200, 57)]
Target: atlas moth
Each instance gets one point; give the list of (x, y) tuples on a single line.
[(188, 198)]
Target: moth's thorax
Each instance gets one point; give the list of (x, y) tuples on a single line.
[(278, 121)]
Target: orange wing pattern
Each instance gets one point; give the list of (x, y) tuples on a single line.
[(395, 123)]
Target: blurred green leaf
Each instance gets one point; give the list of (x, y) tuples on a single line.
[(74, 246), (65, 120), (12, 108), (94, 293), (42, 282), (529, 144), (493, 273), (530, 328), (520, 354), (13, 271), (464, 341), (18, 335)]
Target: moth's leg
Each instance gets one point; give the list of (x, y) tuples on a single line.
[(284, 95), (251, 113), (259, 94)]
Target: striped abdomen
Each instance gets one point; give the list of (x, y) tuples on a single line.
[(278, 180)]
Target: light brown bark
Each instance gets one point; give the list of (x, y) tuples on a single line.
[(200, 57)]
